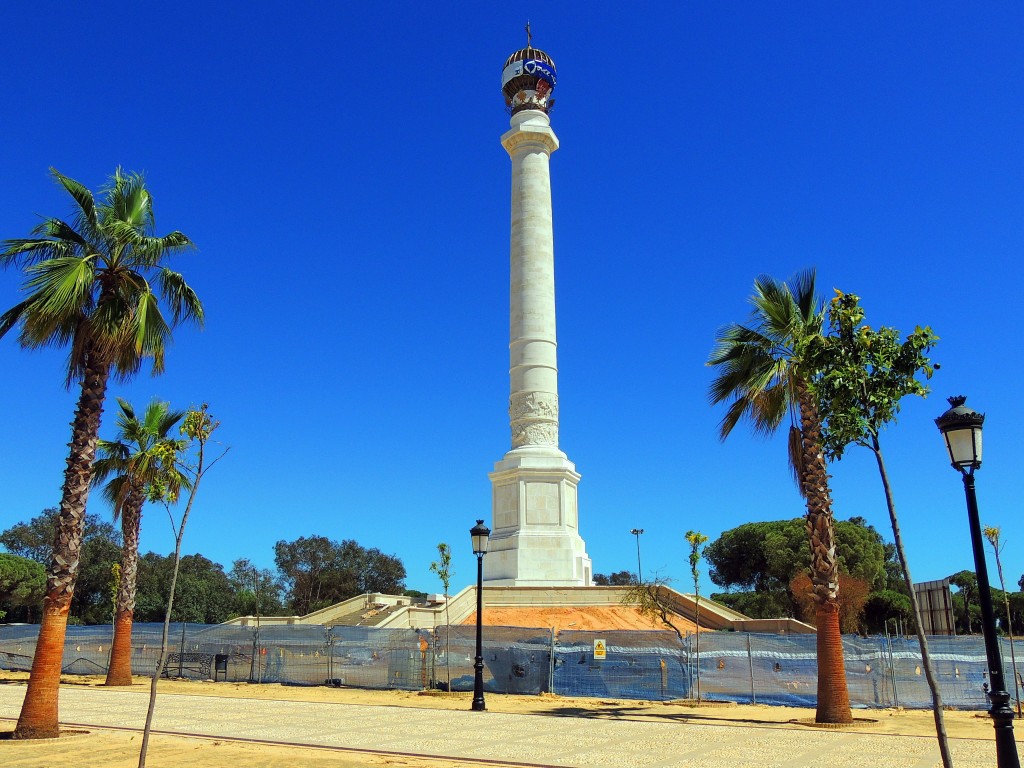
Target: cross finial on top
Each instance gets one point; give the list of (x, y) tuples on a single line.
[(529, 35)]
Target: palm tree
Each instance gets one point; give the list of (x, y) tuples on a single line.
[(90, 287), (762, 378), (138, 466)]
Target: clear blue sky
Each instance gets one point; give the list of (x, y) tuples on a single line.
[(339, 167)]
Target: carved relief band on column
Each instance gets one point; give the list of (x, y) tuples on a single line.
[(534, 418), (543, 405), (535, 433)]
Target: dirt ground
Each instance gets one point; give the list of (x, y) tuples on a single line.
[(119, 749), (592, 617)]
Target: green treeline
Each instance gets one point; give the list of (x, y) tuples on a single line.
[(312, 572), (764, 569)]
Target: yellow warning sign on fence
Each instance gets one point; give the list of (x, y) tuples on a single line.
[(599, 649)]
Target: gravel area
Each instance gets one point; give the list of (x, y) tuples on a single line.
[(454, 735)]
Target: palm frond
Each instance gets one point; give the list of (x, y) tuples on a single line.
[(54, 318), (86, 216), (159, 419), (89, 280), (774, 307), (182, 300), (63, 234), (141, 463), (127, 200), (125, 237), (804, 294), (796, 458), (116, 492), (770, 406), (152, 333), (733, 415), (127, 412), (62, 286), (29, 251), (12, 317)]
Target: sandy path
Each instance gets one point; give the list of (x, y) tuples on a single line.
[(574, 732)]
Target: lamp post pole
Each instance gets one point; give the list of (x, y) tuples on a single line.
[(1001, 712), (480, 535), (639, 573), (962, 427)]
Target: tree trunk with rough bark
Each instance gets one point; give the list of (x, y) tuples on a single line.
[(833, 694), (39, 716), (120, 671), (833, 700)]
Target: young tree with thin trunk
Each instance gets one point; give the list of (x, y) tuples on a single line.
[(860, 377), (764, 378), (992, 533), (198, 427), (696, 540), (651, 601), (443, 568), (94, 284), (133, 470)]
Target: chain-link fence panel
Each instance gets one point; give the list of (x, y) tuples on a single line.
[(366, 657), (636, 665), (960, 667), (516, 659), (18, 646)]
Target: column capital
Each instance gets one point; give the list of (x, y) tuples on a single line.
[(538, 136)]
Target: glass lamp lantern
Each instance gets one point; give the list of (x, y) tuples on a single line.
[(480, 534), (961, 428)]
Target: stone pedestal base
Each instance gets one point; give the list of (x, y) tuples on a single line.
[(535, 541)]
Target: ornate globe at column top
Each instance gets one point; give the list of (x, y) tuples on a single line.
[(528, 80)]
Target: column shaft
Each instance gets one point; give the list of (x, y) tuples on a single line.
[(533, 363)]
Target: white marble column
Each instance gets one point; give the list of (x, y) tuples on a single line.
[(535, 539), (533, 364)]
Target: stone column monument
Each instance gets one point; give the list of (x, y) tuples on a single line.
[(535, 539)]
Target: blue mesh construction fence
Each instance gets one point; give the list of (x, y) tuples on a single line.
[(769, 669), (652, 665)]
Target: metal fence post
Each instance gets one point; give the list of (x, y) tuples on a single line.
[(252, 661), (689, 668), (181, 651), (330, 653), (259, 656), (892, 668), (551, 662), (750, 663)]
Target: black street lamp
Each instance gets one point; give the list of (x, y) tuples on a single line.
[(636, 532), (961, 427), (481, 538)]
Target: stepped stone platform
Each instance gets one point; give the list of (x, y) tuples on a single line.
[(590, 608)]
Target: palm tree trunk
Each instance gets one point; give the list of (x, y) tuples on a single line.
[(933, 684), (833, 700), (39, 717), (120, 671), (833, 694)]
